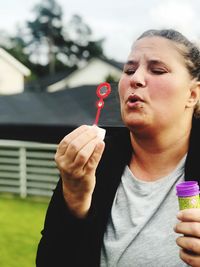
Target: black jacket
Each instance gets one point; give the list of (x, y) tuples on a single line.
[(68, 241)]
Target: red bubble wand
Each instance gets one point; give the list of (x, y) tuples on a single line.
[(103, 90)]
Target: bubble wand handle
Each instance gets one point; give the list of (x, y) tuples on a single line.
[(100, 105), (97, 116)]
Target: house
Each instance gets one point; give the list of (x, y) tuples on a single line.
[(41, 84), (97, 70), (12, 74)]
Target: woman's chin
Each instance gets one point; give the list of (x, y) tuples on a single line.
[(134, 121), (135, 125)]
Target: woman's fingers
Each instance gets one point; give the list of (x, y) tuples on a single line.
[(69, 138), (191, 244), (81, 143), (73, 142), (188, 228), (189, 258), (79, 152), (95, 157), (189, 215), (87, 152)]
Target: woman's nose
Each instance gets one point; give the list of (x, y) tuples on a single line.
[(138, 79)]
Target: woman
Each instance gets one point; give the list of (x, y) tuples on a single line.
[(115, 204)]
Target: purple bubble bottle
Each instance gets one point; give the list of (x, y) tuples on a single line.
[(188, 195)]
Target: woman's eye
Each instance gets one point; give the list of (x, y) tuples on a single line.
[(129, 71), (158, 71)]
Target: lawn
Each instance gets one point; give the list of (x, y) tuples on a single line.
[(21, 221)]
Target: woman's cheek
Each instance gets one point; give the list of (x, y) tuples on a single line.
[(122, 88), (161, 90)]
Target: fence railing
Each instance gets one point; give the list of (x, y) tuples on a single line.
[(27, 168)]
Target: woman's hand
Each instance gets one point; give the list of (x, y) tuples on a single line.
[(77, 158), (190, 242)]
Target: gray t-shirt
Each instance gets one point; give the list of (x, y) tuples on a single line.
[(140, 229)]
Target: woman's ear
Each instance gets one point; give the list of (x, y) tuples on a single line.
[(194, 94)]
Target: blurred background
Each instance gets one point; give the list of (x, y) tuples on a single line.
[(53, 55)]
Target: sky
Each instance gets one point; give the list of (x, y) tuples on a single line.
[(118, 21)]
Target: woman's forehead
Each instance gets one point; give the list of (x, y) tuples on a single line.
[(155, 47), (152, 41)]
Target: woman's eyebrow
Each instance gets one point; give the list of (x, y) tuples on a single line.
[(130, 62), (155, 61), (151, 61)]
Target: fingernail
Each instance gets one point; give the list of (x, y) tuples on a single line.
[(179, 215)]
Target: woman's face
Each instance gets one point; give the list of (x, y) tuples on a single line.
[(154, 88)]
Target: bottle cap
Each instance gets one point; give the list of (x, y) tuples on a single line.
[(187, 189)]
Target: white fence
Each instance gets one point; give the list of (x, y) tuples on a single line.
[(27, 168)]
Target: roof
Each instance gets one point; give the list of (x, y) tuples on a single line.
[(13, 61), (114, 63), (48, 117), (71, 107), (47, 80)]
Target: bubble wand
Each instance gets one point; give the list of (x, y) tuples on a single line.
[(103, 90)]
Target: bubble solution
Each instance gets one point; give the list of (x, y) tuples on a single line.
[(188, 195)]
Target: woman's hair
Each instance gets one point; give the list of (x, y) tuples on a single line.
[(189, 51)]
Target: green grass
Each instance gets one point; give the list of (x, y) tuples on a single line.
[(21, 221)]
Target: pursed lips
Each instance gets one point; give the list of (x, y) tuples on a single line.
[(134, 99)]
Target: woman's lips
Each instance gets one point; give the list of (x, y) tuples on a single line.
[(134, 101)]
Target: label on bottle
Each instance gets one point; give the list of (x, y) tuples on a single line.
[(189, 202)]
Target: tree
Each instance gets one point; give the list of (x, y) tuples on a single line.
[(46, 31), (68, 45), (83, 47)]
